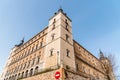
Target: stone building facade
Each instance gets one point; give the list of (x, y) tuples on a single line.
[(54, 50)]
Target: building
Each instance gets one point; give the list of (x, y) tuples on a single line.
[(53, 54)]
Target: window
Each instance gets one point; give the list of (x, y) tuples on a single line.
[(43, 32), (22, 75), (36, 70), (67, 53), (31, 72), (66, 27), (36, 46), (15, 76), (19, 75), (28, 64), (67, 37), (53, 27), (24, 66), (20, 67), (51, 52), (33, 62), (66, 21), (89, 71), (41, 44), (32, 49), (28, 52), (26, 73), (53, 24), (25, 53), (54, 21), (83, 68), (38, 59), (53, 36), (77, 66)]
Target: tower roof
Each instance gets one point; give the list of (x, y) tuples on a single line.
[(60, 11)]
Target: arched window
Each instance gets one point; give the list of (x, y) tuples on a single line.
[(19, 75), (16, 77), (36, 70), (22, 75), (10, 78), (31, 72), (26, 73)]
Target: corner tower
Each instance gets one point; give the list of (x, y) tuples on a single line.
[(59, 42)]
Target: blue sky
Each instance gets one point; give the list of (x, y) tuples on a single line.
[(95, 23)]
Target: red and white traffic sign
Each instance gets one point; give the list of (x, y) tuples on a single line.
[(57, 75)]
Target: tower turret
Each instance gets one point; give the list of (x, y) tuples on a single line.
[(59, 50)]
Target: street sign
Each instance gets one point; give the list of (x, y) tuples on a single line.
[(57, 75)]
